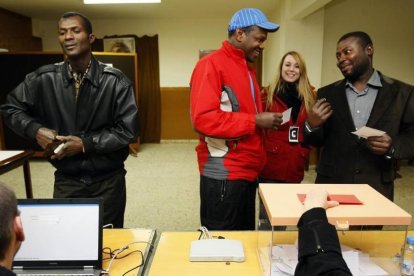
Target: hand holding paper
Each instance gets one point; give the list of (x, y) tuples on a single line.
[(318, 198), (286, 115), (340, 198)]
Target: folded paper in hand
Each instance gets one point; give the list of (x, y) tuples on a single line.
[(50, 148), (286, 115), (366, 132)]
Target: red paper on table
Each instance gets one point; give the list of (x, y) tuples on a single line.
[(342, 199)]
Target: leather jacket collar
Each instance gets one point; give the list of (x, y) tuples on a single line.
[(92, 76)]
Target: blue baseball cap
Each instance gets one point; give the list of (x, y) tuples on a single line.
[(250, 17)]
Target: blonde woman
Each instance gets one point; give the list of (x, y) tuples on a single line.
[(287, 155)]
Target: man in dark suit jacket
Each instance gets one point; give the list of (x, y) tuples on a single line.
[(365, 97)]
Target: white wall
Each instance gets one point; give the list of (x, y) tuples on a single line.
[(314, 36), (179, 41), (272, 51), (389, 23), (301, 30), (306, 37)]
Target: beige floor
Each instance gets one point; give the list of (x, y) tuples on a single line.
[(162, 185)]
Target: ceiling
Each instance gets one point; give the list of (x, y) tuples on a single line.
[(53, 9)]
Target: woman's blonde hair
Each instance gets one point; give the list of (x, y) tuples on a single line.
[(306, 91)]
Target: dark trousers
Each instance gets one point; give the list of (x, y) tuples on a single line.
[(112, 190), (227, 204)]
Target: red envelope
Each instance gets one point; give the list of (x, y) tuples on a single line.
[(342, 199)]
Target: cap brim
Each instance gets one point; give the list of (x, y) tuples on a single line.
[(269, 26)]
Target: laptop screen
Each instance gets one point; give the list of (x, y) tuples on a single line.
[(60, 233)]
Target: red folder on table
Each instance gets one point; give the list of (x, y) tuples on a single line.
[(342, 199)]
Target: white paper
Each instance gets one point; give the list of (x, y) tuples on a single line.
[(366, 132), (368, 267), (351, 258), (286, 116), (281, 269), (285, 259), (5, 154)]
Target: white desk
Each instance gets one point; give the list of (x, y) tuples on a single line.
[(11, 159)]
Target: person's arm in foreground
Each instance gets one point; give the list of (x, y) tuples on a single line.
[(319, 248)]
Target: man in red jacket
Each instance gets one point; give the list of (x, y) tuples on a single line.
[(226, 112)]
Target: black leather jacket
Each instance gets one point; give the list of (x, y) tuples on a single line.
[(105, 116)]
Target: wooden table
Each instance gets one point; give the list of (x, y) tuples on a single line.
[(172, 256), (10, 160), (136, 239)]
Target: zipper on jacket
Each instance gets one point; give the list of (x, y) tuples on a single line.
[(223, 190), (319, 248)]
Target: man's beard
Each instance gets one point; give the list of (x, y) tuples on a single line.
[(356, 73)]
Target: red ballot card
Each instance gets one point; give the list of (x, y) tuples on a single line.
[(342, 199)]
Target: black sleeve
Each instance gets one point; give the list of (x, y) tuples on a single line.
[(319, 248), (315, 137)]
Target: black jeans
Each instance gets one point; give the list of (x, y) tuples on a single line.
[(112, 190), (227, 204)]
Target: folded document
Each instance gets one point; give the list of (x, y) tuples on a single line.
[(285, 259)]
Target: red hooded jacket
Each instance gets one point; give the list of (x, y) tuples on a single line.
[(223, 112), (285, 160)]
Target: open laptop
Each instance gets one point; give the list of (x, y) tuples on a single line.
[(62, 237)]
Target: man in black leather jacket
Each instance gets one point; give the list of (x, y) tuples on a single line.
[(84, 114), (319, 248)]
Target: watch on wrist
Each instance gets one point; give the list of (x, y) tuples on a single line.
[(308, 128)]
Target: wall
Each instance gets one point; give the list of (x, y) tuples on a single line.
[(16, 35), (314, 35), (272, 51), (302, 35), (175, 115), (179, 41), (16, 32), (389, 23)]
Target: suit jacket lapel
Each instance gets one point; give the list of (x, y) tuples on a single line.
[(382, 102), (341, 107)]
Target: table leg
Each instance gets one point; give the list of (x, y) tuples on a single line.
[(27, 179)]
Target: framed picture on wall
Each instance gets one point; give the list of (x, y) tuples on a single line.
[(119, 44)]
